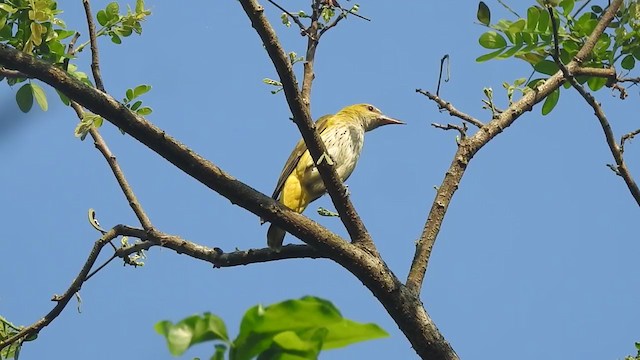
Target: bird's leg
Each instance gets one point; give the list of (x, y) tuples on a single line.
[(346, 190)]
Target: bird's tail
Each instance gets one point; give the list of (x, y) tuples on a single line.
[(275, 236)]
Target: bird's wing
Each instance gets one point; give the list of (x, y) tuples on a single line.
[(295, 156)]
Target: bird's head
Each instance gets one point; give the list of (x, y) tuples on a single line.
[(369, 116)]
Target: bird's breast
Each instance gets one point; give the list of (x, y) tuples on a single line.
[(344, 145)]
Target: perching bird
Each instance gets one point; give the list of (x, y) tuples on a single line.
[(343, 135)]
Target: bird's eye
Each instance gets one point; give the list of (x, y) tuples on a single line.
[(370, 108)]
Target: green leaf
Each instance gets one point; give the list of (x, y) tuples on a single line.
[(8, 8), (533, 14), (139, 6), (567, 6), (297, 325), (144, 111), (546, 67), (24, 98), (596, 83), (112, 10), (492, 40), (40, 96), (509, 53), (102, 17), (136, 105), (63, 98), (349, 332), (628, 62), (115, 39), (140, 90), (128, 95), (489, 56), (550, 102), (517, 26), (483, 14), (192, 330), (543, 22)]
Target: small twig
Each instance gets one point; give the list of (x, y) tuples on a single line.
[(508, 8), (126, 188), (352, 13), (335, 22), (621, 89), (95, 61), (627, 136), (8, 73), (70, 50), (101, 266), (635, 80), (63, 300), (575, 14), (442, 104), (442, 61), (461, 129), (295, 18)]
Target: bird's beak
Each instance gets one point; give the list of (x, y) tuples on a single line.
[(385, 120)]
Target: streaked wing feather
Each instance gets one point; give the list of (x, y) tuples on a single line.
[(295, 156)]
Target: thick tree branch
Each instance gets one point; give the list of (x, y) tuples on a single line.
[(470, 146), (301, 115)]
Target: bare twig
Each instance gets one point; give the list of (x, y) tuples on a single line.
[(95, 58), (442, 104), (7, 73), (471, 145), (628, 136), (295, 18), (63, 300), (461, 129), (616, 150), (635, 80), (442, 62)]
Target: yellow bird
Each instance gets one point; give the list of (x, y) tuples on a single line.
[(343, 136)]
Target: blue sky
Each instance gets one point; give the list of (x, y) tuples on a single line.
[(537, 255)]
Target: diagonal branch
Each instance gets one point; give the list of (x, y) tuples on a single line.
[(301, 115), (98, 140), (63, 300), (616, 150), (470, 146), (95, 58)]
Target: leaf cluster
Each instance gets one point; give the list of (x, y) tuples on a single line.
[(531, 39), (33, 26), (292, 329)]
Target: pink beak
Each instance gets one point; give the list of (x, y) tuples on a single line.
[(385, 120)]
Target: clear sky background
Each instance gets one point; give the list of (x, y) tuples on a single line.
[(537, 257)]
